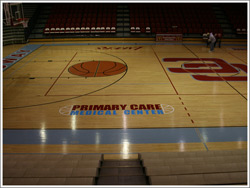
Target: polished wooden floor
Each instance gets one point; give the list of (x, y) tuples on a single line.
[(40, 87)]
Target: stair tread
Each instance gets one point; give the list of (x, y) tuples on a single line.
[(121, 171), (120, 163), (122, 180)]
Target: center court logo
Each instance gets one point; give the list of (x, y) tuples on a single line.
[(115, 109)]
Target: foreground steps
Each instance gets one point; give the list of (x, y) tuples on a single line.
[(121, 172), (156, 168)]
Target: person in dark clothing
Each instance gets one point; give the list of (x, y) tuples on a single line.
[(218, 37)]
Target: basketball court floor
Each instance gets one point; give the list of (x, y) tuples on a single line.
[(124, 97)]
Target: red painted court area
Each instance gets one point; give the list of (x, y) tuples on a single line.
[(223, 67)]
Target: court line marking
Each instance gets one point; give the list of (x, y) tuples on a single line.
[(153, 43), (201, 137), (96, 84), (165, 71), (185, 108), (97, 68), (94, 153), (245, 62), (216, 73), (196, 129), (60, 75), (188, 114), (149, 94)]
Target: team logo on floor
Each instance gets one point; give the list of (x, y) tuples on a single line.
[(16, 56), (133, 109), (217, 67)]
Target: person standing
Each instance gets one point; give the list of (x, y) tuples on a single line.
[(205, 37), (212, 41), (218, 37)]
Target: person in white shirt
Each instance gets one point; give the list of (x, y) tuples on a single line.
[(212, 40), (205, 38)]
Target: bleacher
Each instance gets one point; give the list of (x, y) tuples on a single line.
[(52, 169), (144, 18), (140, 20), (156, 168), (196, 168)]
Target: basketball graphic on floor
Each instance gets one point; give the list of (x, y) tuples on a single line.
[(97, 68)]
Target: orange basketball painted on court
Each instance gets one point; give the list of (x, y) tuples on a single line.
[(97, 68)]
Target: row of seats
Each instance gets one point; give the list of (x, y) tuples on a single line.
[(180, 28), (87, 18), (161, 18), (173, 29), (108, 27), (40, 169), (196, 168), (163, 28)]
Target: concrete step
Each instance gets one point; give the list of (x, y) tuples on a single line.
[(121, 163), (122, 180), (121, 171)]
